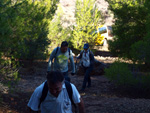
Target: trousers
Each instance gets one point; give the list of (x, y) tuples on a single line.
[(87, 78)]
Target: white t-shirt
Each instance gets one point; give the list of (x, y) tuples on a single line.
[(51, 104)]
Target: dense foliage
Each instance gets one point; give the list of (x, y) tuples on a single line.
[(24, 30), (131, 29), (131, 41), (87, 18), (126, 76), (58, 33)]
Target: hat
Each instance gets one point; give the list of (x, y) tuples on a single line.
[(86, 46)]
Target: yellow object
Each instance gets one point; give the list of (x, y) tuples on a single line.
[(101, 31)]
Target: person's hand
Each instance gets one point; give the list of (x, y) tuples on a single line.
[(72, 74)]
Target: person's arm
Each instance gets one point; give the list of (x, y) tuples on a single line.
[(80, 56), (77, 99), (72, 62), (33, 104), (92, 58), (51, 59), (81, 106)]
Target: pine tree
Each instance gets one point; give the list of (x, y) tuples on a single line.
[(27, 24), (130, 31), (87, 18), (24, 30), (58, 33)]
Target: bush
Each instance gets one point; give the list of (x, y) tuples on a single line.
[(23, 33), (121, 74), (87, 17), (131, 32)]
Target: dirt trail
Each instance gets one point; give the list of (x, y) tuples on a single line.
[(102, 97)]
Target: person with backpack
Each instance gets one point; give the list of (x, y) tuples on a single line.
[(87, 62), (55, 96), (61, 56)]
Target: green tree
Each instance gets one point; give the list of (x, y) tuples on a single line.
[(7, 36), (58, 33), (24, 30), (27, 23), (37, 16), (131, 32), (87, 18), (140, 50)]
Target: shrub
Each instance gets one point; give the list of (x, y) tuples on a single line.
[(121, 74), (87, 17), (131, 32)]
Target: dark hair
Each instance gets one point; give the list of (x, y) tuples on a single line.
[(55, 76), (64, 44)]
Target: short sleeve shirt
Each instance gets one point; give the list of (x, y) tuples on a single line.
[(51, 104)]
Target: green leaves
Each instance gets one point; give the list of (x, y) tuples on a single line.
[(58, 33), (119, 73), (131, 29), (125, 77), (24, 30), (29, 23), (87, 18)]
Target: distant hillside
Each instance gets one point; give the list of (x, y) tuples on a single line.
[(69, 9)]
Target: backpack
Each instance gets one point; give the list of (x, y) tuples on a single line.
[(58, 48), (78, 65), (90, 53), (69, 90)]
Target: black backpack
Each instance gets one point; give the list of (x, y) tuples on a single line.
[(69, 90), (90, 53), (59, 47)]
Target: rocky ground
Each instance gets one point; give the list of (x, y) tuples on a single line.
[(102, 97)]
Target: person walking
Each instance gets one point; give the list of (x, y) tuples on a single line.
[(87, 62), (56, 97), (61, 55)]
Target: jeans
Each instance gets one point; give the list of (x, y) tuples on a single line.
[(66, 76), (87, 79)]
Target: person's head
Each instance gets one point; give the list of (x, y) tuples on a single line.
[(55, 81), (86, 46), (64, 46)]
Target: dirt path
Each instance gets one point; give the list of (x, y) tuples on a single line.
[(102, 97)]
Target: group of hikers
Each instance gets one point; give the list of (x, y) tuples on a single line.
[(57, 94)]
